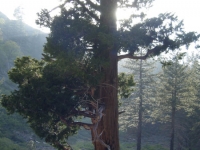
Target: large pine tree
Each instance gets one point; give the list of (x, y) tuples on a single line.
[(138, 105), (78, 75), (172, 95), (192, 105)]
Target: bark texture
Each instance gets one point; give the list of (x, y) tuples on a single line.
[(108, 126)]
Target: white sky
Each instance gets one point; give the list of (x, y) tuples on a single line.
[(188, 10), (30, 8)]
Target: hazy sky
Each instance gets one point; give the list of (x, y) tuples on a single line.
[(30, 8), (188, 10)]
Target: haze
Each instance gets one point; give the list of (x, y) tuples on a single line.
[(186, 10)]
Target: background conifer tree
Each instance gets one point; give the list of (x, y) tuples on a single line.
[(172, 97), (138, 105)]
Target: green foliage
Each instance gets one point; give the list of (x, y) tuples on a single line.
[(173, 96), (9, 51), (158, 34), (15, 41), (144, 90), (192, 106), (7, 122), (166, 62), (13, 130), (7, 144), (44, 90), (126, 84), (15, 133), (173, 79)]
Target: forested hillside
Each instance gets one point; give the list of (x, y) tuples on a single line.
[(16, 40)]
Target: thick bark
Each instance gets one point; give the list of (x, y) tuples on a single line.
[(108, 126)]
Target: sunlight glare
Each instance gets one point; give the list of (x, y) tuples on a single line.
[(123, 14)]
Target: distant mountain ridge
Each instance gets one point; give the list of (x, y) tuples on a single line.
[(29, 39), (27, 30)]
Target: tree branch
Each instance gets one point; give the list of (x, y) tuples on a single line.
[(135, 57), (87, 126), (84, 113), (155, 50), (60, 6), (94, 6), (94, 16), (121, 112)]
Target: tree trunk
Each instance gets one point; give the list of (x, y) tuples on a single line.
[(108, 125), (173, 118), (174, 101), (139, 132), (172, 129)]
